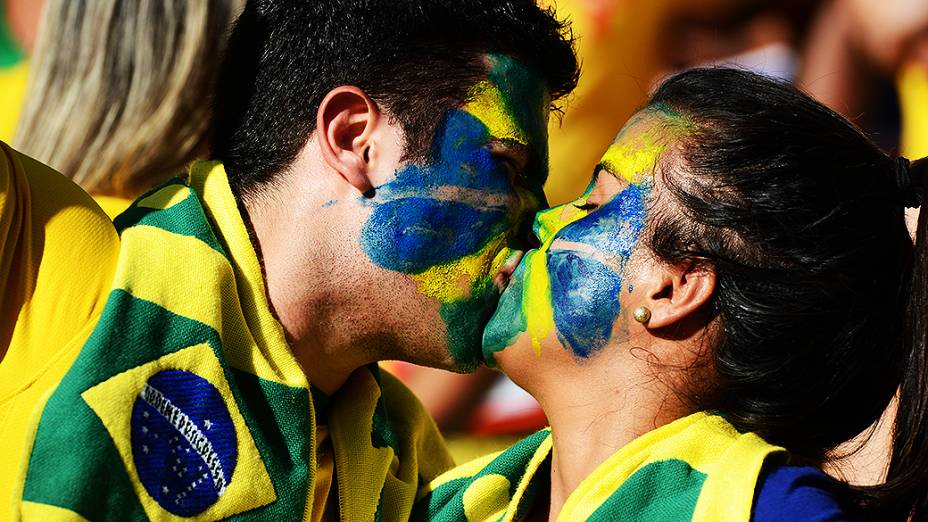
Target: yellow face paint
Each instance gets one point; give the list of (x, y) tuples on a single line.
[(487, 105), (537, 307)]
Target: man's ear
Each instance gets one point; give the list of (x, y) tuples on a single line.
[(676, 292), (345, 126)]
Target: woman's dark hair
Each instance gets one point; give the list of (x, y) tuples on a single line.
[(821, 298), (418, 58)]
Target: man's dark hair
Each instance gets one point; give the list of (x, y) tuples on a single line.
[(416, 58)]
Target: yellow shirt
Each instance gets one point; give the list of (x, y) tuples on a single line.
[(12, 93), (112, 205), (57, 258)]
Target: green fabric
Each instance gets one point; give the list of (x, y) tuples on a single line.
[(698, 468), (10, 53), (666, 490), (176, 219), (281, 439), (279, 430), (446, 503)]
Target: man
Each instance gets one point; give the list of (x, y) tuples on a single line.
[(378, 163)]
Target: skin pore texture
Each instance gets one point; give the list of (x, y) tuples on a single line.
[(452, 224), (370, 255), (563, 329)]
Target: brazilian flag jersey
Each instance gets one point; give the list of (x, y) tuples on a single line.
[(698, 469), (187, 403)]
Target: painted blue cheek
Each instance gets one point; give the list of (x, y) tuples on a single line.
[(585, 298), (460, 159), (419, 220), (412, 234)]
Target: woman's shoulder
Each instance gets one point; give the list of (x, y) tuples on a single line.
[(798, 493)]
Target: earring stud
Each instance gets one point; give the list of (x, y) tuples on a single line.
[(642, 314)]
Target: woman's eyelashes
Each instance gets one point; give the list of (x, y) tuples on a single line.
[(587, 206)]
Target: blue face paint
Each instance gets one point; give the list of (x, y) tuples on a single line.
[(443, 211), (451, 223), (586, 274)]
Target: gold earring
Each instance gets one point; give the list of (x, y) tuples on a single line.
[(642, 314)]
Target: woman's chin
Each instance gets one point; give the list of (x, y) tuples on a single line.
[(500, 333)]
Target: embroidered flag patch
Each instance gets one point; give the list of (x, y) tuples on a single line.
[(183, 442)]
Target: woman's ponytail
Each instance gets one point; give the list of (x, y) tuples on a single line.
[(906, 488)]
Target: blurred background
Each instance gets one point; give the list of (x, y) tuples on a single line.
[(124, 84)]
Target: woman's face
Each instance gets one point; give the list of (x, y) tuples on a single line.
[(568, 294)]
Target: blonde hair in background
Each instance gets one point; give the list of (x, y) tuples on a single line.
[(119, 93)]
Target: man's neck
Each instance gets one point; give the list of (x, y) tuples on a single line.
[(298, 285)]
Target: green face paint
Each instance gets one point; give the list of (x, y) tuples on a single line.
[(568, 291), (452, 223)]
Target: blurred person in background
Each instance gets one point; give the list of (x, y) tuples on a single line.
[(19, 20), (119, 91), (856, 44)]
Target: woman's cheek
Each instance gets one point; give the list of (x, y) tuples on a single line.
[(585, 298)]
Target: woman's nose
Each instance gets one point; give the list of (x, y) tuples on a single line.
[(549, 222)]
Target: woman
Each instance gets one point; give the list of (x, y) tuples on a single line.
[(118, 94), (734, 296)]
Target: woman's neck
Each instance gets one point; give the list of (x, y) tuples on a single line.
[(607, 408)]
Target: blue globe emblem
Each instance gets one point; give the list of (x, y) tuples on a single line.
[(183, 442)]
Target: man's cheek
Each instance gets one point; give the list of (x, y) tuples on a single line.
[(411, 235)]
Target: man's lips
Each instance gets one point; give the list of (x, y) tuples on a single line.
[(504, 275)]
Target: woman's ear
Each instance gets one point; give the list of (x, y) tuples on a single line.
[(345, 125), (674, 293)]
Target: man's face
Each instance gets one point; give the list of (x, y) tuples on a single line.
[(452, 223)]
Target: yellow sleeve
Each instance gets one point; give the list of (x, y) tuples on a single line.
[(58, 253)]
